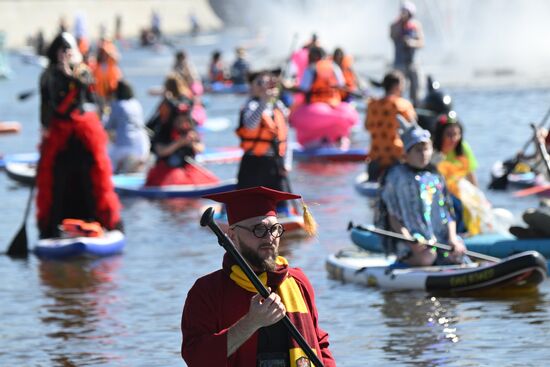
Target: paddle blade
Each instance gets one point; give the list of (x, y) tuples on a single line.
[(19, 245), (25, 95)]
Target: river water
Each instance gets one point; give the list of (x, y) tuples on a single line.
[(125, 310)]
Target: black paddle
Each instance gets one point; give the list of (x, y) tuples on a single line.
[(207, 219), (25, 95), (19, 245), (398, 236), (501, 182)]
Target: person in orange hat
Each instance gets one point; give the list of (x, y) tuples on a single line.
[(225, 322)]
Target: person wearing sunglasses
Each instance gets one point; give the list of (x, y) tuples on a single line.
[(225, 322), (263, 133)]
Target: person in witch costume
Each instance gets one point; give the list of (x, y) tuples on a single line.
[(74, 172), (225, 322)]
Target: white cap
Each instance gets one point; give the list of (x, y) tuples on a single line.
[(77, 56), (409, 6)]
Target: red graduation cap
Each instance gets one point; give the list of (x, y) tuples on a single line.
[(249, 203)]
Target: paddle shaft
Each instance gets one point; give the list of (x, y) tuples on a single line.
[(19, 245), (25, 95), (342, 88), (542, 150), (224, 241), (196, 164), (442, 246), (541, 124)]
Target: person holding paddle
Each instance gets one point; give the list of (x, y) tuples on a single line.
[(415, 203), (263, 133), (175, 144), (225, 322), (74, 172)]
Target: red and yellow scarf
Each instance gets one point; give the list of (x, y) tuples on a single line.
[(291, 296)]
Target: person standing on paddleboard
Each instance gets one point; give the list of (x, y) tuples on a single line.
[(383, 124), (263, 133), (407, 36), (74, 171)]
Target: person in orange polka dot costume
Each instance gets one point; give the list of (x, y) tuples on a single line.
[(383, 125)]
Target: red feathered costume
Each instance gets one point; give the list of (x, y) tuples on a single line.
[(74, 173)]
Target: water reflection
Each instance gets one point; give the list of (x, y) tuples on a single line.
[(421, 327), (324, 169), (80, 294), (180, 205), (531, 308)]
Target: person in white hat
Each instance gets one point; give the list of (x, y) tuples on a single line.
[(416, 204)]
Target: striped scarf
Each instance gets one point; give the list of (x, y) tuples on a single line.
[(291, 296)]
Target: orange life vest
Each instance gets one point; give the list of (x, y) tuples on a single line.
[(349, 75), (270, 133), (323, 87), (80, 228), (83, 45)]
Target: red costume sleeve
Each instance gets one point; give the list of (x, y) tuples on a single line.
[(201, 346), (322, 336)]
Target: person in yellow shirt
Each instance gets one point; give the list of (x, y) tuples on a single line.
[(455, 160)]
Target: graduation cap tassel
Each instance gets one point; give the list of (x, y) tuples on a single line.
[(310, 225)]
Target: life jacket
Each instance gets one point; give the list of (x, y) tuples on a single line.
[(349, 76), (79, 228), (323, 87), (271, 132), (83, 45)]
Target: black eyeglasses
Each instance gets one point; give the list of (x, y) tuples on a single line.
[(260, 230)]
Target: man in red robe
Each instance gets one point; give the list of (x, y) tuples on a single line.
[(225, 322)]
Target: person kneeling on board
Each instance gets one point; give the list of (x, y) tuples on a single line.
[(415, 203)]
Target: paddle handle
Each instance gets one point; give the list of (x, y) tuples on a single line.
[(207, 219), (442, 246)]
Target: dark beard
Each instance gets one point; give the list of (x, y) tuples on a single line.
[(257, 262)]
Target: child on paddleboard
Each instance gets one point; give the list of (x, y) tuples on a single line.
[(417, 204)]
